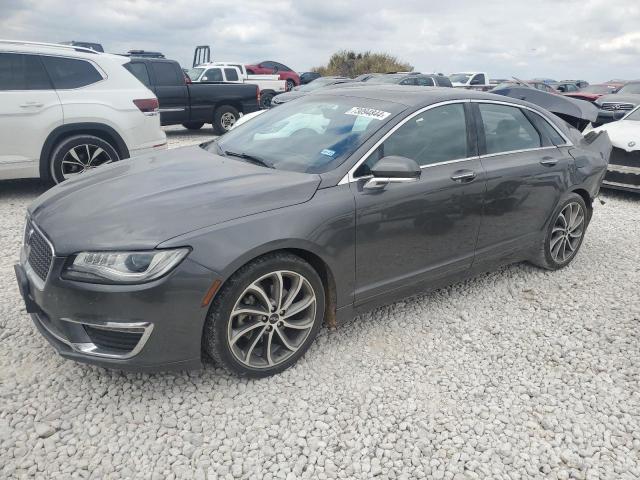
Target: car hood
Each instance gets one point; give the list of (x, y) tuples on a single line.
[(141, 202), (624, 134), (619, 98), (288, 96)]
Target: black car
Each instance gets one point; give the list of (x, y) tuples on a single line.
[(614, 106), (90, 45), (193, 104), (302, 90), (307, 77), (314, 211), (419, 79)]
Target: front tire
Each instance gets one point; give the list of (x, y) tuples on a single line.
[(78, 154), (224, 118), (265, 317), (564, 235)]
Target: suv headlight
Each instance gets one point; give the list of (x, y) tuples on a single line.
[(122, 267)]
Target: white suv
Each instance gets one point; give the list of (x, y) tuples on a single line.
[(65, 110)]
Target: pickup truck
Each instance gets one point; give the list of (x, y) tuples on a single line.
[(193, 105), (224, 72), (471, 80)]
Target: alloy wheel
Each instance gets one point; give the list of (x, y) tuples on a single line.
[(567, 232), (228, 120), (271, 319), (83, 158)]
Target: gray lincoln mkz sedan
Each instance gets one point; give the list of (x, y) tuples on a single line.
[(340, 201)]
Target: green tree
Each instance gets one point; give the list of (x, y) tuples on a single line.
[(348, 63)]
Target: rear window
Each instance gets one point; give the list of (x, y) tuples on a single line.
[(69, 73), (231, 74), (22, 72), (166, 74), (139, 70)]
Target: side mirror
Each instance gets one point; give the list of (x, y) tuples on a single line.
[(393, 169)]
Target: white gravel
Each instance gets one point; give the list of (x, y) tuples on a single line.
[(517, 374)]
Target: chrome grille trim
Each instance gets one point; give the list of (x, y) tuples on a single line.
[(617, 106), (39, 250)]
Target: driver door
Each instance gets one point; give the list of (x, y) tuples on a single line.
[(422, 232)]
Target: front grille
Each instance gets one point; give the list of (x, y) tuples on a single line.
[(615, 106), (622, 157), (39, 252), (113, 339)]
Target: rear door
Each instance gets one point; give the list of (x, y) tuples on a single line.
[(526, 175), (172, 92), (30, 109), (423, 231)]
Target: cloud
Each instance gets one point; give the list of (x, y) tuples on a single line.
[(593, 39)]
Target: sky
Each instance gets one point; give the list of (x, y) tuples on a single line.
[(596, 40)]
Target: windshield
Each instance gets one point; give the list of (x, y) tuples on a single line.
[(598, 89), (316, 84), (194, 73), (460, 77), (310, 135), (630, 88), (386, 79)]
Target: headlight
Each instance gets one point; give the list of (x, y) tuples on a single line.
[(123, 267)]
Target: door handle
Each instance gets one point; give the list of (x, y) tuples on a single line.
[(32, 105), (463, 176), (549, 161)]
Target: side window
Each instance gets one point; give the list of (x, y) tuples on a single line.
[(139, 70), (543, 126), (267, 65), (212, 75), (424, 81), (166, 74), (478, 79), (22, 72), (408, 81), (507, 129), (231, 74), (283, 68), (434, 136), (443, 82), (68, 73)]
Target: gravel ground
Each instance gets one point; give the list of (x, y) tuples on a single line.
[(516, 374)]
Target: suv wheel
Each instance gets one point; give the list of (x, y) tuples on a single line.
[(79, 154), (266, 316), (290, 85), (224, 118)]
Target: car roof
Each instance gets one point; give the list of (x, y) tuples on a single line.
[(414, 96), (73, 51)]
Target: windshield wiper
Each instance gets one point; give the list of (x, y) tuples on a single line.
[(250, 158)]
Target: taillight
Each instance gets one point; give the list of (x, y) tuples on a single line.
[(258, 94), (148, 106)]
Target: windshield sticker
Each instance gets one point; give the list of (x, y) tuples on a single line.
[(368, 112), (328, 153)]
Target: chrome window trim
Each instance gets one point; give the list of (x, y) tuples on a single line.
[(348, 178), (567, 143)]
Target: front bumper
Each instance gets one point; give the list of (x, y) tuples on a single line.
[(150, 327), (623, 171)]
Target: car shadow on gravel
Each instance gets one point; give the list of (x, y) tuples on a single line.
[(27, 187)]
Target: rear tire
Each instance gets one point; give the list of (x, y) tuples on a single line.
[(290, 85), (78, 154), (193, 125), (564, 234), (255, 345), (224, 118)]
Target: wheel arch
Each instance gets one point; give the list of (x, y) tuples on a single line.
[(314, 259), (586, 197), (99, 130)]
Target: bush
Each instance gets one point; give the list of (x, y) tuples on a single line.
[(347, 63)]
